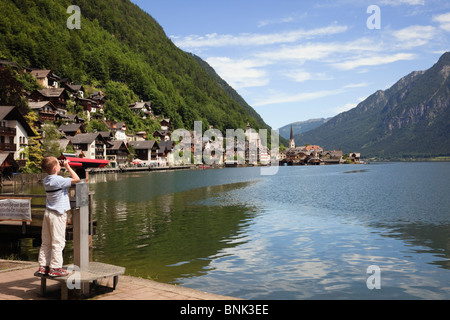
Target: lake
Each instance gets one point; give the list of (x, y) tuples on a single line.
[(308, 232), (377, 231)]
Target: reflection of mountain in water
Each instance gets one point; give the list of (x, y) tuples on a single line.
[(170, 235)]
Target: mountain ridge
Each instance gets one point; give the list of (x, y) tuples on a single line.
[(410, 119), (301, 126)]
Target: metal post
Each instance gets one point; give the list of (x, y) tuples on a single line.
[(80, 221)]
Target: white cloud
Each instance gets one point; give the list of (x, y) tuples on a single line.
[(271, 22), (443, 20), (373, 60), (356, 85), (414, 36), (285, 98), (320, 51), (300, 75), (277, 98), (403, 2), (240, 73), (300, 53), (254, 39)]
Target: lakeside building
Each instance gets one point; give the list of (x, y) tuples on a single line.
[(14, 135), (146, 151), (315, 155), (117, 153), (92, 144)]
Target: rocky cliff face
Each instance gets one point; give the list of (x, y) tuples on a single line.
[(409, 119)]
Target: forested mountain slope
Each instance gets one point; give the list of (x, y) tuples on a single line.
[(124, 51)]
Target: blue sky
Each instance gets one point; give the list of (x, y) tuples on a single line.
[(296, 60)]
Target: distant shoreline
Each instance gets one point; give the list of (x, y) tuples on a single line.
[(431, 159)]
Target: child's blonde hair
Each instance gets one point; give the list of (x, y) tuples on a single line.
[(47, 164)]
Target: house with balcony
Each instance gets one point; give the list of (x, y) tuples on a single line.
[(90, 106), (118, 130), (166, 125), (45, 110), (72, 129), (142, 107), (332, 157), (117, 153), (163, 135), (146, 151), (165, 153), (14, 134), (73, 118), (45, 78), (353, 157), (99, 98), (74, 90), (92, 144), (57, 96)]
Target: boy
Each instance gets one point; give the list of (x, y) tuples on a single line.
[(55, 217)]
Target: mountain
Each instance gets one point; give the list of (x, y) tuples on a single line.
[(123, 51), (410, 119), (301, 126)]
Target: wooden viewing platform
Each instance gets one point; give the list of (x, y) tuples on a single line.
[(83, 271), (76, 279)]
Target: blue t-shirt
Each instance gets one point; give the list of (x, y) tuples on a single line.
[(57, 194)]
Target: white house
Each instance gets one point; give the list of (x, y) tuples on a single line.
[(92, 144), (14, 132), (121, 129), (143, 107), (146, 151)]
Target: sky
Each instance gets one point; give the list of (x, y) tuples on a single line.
[(294, 60)]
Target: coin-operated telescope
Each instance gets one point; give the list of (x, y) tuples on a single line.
[(81, 164)]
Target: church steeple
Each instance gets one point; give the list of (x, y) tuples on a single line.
[(291, 140)]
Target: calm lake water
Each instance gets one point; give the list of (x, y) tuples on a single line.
[(308, 232)]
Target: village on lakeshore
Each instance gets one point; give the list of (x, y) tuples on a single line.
[(124, 149), (315, 155)]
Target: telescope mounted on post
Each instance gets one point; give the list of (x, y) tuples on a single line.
[(81, 164)]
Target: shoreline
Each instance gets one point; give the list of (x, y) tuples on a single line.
[(21, 179)]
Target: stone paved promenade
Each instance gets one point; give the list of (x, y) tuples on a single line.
[(17, 282)]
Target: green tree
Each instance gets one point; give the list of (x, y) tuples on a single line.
[(33, 152), (96, 125), (11, 90), (50, 145)]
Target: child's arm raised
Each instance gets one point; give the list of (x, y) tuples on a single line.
[(75, 177)]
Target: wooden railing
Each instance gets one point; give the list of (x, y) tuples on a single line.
[(7, 146), (22, 229), (8, 131)]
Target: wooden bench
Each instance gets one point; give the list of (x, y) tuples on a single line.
[(96, 271)]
